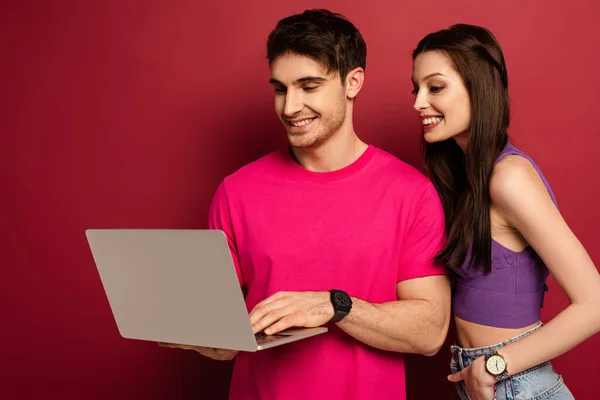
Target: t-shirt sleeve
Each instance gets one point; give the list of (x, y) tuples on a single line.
[(219, 217), (424, 238)]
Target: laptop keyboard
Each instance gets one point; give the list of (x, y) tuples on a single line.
[(263, 338)]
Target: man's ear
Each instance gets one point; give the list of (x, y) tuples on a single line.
[(354, 81)]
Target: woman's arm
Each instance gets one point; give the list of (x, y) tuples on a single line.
[(519, 194)]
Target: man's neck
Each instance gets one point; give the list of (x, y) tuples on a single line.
[(341, 150)]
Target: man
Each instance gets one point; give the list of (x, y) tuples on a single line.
[(331, 212)]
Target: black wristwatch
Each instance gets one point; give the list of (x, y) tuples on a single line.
[(342, 304)]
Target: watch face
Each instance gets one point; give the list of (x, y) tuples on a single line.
[(496, 365), (341, 300)]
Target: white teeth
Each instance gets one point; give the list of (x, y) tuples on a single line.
[(302, 123), (434, 120)]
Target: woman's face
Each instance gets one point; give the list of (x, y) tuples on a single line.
[(441, 98)]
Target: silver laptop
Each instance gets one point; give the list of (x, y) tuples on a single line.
[(178, 286)]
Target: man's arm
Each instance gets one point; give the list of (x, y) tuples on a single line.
[(416, 323)]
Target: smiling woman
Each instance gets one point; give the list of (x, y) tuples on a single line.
[(505, 234), (441, 98)]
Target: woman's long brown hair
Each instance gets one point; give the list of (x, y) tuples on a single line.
[(462, 179)]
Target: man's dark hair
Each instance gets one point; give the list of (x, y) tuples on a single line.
[(326, 37)]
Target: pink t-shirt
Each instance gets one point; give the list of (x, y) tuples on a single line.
[(360, 229)]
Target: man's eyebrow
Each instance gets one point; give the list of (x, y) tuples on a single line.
[(314, 79)]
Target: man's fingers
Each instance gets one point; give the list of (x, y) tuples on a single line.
[(272, 298), (210, 352), (272, 317), (281, 325), (174, 345), (205, 351), (269, 300), (260, 311), (224, 355), (217, 354)]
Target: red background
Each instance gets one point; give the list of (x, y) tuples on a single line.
[(129, 113)]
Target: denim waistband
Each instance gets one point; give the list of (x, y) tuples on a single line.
[(477, 352)]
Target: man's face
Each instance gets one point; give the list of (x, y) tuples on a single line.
[(310, 102)]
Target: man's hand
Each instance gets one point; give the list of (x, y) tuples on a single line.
[(291, 309), (210, 352), (480, 384)]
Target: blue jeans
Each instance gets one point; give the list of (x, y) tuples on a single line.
[(539, 382)]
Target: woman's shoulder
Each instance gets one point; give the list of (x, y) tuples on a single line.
[(513, 177)]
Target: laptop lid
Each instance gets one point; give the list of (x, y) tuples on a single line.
[(175, 286)]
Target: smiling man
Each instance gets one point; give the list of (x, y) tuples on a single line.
[(331, 231)]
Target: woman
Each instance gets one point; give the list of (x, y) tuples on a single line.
[(504, 229)]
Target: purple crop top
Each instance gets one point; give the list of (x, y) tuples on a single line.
[(513, 293)]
